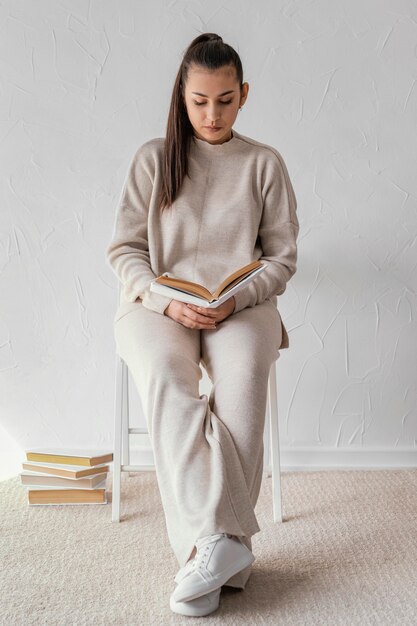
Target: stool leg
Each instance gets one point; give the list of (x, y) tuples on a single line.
[(125, 416), (267, 441), (274, 432), (118, 425)]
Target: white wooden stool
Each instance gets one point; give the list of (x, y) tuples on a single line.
[(122, 431)]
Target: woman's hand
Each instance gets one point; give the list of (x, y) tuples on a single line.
[(193, 316)]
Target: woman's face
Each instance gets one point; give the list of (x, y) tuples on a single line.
[(212, 99)]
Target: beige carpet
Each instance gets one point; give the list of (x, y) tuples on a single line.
[(345, 555)]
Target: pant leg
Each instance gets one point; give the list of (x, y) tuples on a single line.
[(195, 458), (238, 357)]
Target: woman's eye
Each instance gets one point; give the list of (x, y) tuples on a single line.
[(201, 103)]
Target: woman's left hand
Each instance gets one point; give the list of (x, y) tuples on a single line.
[(219, 313)]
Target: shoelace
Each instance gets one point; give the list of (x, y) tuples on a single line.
[(191, 564), (203, 546)]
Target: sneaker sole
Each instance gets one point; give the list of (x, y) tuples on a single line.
[(193, 610)]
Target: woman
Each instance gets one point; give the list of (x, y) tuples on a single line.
[(199, 204)]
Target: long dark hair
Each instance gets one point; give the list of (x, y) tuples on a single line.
[(207, 50)]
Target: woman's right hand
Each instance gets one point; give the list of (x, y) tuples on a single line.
[(180, 312)]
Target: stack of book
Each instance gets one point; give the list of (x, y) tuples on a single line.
[(66, 476)]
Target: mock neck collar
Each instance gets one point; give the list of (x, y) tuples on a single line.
[(216, 148)]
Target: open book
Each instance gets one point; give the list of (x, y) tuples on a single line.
[(194, 293)]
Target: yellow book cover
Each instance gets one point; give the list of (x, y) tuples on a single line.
[(70, 456)]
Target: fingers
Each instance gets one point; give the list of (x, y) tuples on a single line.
[(203, 310), (190, 317), (191, 323), (199, 320)]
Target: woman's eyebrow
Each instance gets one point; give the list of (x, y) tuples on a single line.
[(219, 96)]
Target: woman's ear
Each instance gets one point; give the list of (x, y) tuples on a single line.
[(243, 94)]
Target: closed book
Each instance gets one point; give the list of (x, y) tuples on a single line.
[(101, 484), (66, 471), (194, 293), (70, 456), (34, 479), (66, 496)]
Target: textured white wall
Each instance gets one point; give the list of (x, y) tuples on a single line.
[(333, 88)]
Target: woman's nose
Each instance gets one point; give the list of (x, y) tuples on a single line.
[(213, 116)]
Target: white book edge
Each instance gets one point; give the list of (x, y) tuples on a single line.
[(44, 474), (64, 466), (101, 485), (65, 503), (190, 299)]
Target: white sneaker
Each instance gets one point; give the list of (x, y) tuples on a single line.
[(203, 605), (218, 558), (183, 571)]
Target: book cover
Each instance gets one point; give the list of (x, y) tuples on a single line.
[(66, 471), (70, 456), (66, 496), (34, 479), (100, 485)]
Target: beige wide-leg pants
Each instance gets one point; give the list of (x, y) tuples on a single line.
[(208, 452)]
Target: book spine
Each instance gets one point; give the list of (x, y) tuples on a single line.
[(66, 497)]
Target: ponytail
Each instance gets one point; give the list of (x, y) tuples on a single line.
[(209, 51)]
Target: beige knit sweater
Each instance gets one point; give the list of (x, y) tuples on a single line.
[(237, 206)]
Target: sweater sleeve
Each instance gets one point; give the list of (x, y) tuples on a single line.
[(128, 251), (278, 232)]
